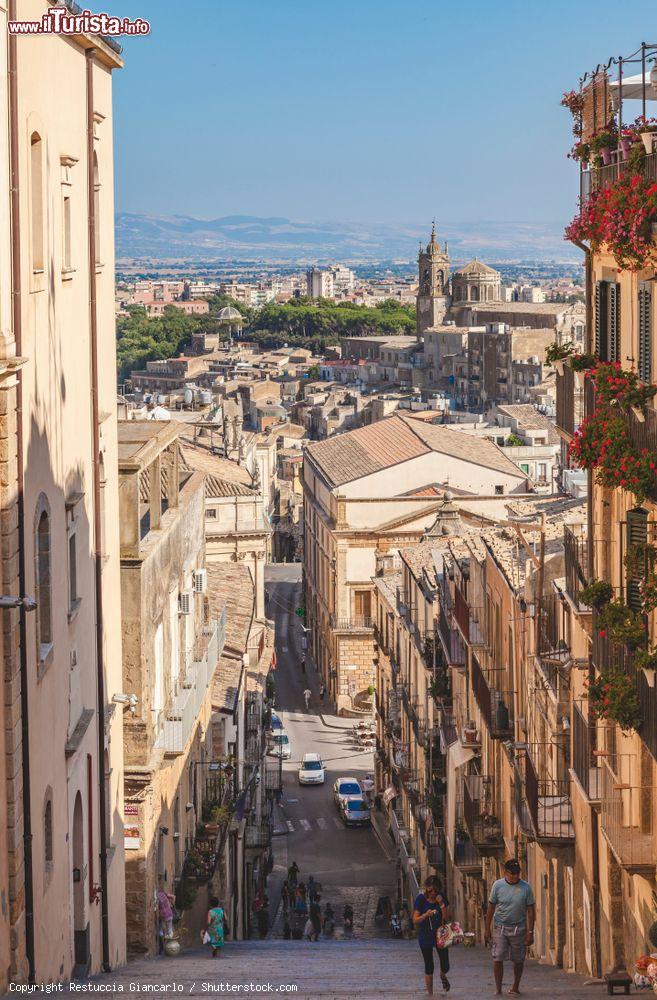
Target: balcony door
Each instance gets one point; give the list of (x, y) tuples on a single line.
[(362, 604)]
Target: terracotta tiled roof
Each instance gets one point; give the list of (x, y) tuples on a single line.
[(362, 452), (477, 267), (201, 459), (366, 450), (225, 683), (458, 444), (231, 584), (530, 419)]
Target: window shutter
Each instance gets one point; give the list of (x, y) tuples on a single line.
[(613, 338), (636, 534), (645, 332), (600, 325)]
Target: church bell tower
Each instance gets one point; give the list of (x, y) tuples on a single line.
[(433, 288)]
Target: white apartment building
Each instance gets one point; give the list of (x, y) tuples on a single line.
[(319, 284)]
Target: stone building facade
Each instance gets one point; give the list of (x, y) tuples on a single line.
[(172, 639), (61, 867), (476, 282)]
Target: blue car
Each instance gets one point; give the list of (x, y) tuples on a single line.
[(276, 723)]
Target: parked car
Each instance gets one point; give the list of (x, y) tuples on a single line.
[(355, 811), (344, 787), (275, 723), (281, 746), (311, 771)]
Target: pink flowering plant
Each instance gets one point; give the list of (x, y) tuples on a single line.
[(619, 216), (613, 696)]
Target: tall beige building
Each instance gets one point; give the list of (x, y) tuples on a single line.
[(61, 861)]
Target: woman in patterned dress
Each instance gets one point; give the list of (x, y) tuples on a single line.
[(215, 926)]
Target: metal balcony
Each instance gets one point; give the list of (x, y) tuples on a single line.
[(357, 623), (451, 640), (482, 813), (542, 805), (258, 833), (585, 762), (627, 814), (273, 773), (469, 620), (576, 555), (494, 705)]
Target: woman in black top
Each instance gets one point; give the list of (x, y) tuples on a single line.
[(431, 911)]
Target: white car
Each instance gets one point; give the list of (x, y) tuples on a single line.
[(281, 746), (311, 771)]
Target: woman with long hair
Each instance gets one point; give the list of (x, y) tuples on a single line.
[(430, 912)]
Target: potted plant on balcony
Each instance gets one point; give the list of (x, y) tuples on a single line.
[(596, 594), (622, 625), (556, 354), (470, 732), (604, 141), (492, 827), (646, 128), (646, 660), (613, 696)]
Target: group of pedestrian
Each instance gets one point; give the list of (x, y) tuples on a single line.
[(509, 926), (302, 909)]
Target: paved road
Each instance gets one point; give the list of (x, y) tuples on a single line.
[(350, 863), (337, 969)]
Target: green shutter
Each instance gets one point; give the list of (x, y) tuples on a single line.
[(636, 534), (613, 311), (645, 332), (601, 320)]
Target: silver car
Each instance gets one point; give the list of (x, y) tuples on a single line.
[(355, 811)]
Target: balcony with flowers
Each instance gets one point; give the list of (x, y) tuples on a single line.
[(615, 142)]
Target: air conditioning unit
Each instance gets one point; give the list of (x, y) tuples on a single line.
[(200, 581), (186, 602)]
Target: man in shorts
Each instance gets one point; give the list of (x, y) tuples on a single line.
[(510, 924)]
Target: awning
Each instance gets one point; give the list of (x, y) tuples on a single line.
[(633, 88)]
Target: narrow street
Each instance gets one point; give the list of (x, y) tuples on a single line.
[(349, 863)]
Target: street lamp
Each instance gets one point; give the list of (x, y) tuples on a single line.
[(10, 603)]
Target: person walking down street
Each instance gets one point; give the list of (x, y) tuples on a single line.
[(322, 692), (312, 888), (165, 903), (368, 788), (430, 912), (292, 874), (216, 926), (510, 924), (285, 897), (306, 697), (303, 664), (405, 921), (316, 917)]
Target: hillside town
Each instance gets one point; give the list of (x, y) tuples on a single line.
[(410, 562)]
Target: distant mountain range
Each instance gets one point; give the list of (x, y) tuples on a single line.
[(279, 239)]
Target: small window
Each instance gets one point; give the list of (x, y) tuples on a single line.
[(499, 491), (36, 200), (210, 513), (72, 572), (47, 834), (43, 581), (66, 225)]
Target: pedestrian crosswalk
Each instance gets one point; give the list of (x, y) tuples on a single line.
[(323, 823)]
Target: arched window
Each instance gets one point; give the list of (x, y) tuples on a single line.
[(36, 200), (474, 293), (43, 579), (47, 834)]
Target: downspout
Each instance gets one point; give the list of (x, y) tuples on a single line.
[(596, 953), (16, 319), (97, 527)]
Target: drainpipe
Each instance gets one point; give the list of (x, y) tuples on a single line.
[(24, 666), (97, 527)]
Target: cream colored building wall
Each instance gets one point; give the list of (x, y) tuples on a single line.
[(433, 468), (58, 450), (6, 348)]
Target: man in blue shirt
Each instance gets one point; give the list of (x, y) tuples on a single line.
[(510, 923)]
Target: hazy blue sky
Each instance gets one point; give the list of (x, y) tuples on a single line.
[(373, 110)]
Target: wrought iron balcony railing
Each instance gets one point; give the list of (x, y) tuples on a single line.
[(585, 763), (258, 833), (495, 706), (357, 623), (470, 620), (482, 813), (542, 805), (451, 640), (576, 555), (627, 814)]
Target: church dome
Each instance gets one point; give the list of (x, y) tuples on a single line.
[(476, 267), (476, 282)]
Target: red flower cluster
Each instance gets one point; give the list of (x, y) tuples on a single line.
[(602, 441), (619, 216)]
